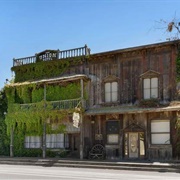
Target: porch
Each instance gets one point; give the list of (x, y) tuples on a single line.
[(132, 133)]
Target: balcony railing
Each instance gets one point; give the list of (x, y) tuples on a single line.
[(63, 104), (51, 54)]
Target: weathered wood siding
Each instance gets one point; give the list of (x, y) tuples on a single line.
[(128, 67)]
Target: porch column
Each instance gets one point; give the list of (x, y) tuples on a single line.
[(81, 137), (12, 143), (44, 127), (81, 122)]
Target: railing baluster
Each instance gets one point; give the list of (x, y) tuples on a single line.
[(62, 104), (61, 55)]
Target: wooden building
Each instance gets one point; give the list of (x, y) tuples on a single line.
[(129, 99)]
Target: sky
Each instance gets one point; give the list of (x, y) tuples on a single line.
[(28, 27)]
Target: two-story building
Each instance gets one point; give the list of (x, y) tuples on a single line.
[(126, 100)]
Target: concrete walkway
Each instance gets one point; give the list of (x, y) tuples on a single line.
[(168, 166)]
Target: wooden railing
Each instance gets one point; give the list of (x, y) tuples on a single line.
[(77, 52), (63, 104), (83, 51), (23, 61)]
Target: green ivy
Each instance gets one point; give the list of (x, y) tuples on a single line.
[(28, 111), (4, 139), (178, 67), (44, 69), (177, 137), (32, 93)]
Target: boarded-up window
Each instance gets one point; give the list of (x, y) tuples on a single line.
[(150, 87), (111, 91), (160, 132)]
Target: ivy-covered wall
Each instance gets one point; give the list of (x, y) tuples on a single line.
[(29, 120), (44, 69), (33, 93), (178, 98), (178, 66)]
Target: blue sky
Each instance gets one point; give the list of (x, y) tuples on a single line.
[(31, 26)]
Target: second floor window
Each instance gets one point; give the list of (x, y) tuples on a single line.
[(111, 92), (150, 88)]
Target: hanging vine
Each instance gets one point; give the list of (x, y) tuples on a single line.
[(28, 111)]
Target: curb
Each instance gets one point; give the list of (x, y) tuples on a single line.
[(132, 166)]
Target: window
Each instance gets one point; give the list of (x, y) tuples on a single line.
[(112, 130), (57, 141), (150, 86), (52, 141), (32, 142), (111, 91), (160, 132)]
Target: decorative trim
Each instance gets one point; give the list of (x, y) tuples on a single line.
[(149, 74), (110, 78)]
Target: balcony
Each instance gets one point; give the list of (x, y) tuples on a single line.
[(58, 105), (49, 55)]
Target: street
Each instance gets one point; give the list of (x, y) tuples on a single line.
[(63, 173)]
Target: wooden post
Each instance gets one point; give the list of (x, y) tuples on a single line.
[(81, 122), (44, 140), (81, 138), (12, 142), (44, 127)]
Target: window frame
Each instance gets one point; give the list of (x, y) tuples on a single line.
[(168, 142), (29, 142), (150, 87), (114, 133), (111, 92), (52, 141)]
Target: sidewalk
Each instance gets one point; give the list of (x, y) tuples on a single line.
[(171, 166)]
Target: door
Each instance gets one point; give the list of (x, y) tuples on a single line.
[(74, 142), (133, 145)]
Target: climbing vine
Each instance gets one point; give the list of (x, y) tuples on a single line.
[(44, 69), (177, 137), (28, 110), (178, 66)]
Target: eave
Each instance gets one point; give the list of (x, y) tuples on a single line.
[(129, 110), (52, 80), (137, 48)]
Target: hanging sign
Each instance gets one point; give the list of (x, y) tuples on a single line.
[(76, 118)]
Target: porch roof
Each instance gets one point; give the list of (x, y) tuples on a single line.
[(129, 110), (52, 80)]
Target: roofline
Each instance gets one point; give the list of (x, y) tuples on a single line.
[(51, 80), (137, 48)]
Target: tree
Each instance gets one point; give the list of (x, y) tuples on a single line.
[(4, 139), (172, 27)]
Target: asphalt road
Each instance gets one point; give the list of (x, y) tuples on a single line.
[(63, 173)]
